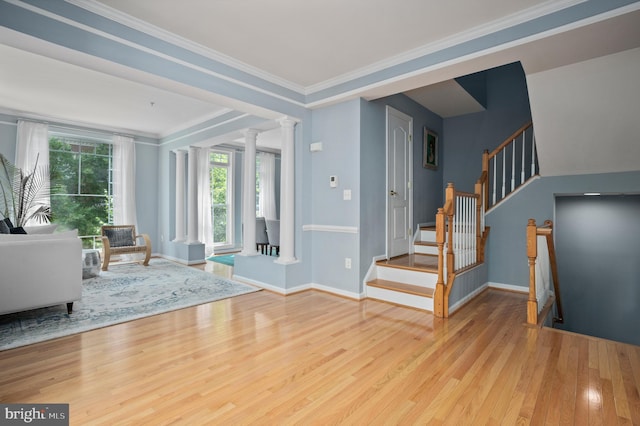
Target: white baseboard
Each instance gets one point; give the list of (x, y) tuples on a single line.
[(509, 287), (182, 261), (467, 298), (298, 289)]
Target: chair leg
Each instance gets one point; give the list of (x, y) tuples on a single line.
[(105, 262), (147, 256)]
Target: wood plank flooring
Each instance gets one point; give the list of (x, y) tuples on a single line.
[(316, 359)]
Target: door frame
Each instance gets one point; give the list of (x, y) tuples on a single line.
[(409, 167)]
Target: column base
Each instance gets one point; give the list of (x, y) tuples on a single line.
[(286, 261)]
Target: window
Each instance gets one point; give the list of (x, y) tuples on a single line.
[(221, 197), (81, 184)]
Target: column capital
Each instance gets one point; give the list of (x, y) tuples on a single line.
[(251, 133), (287, 122)]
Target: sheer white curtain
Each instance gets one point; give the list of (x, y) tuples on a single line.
[(267, 197), (205, 225), (124, 181), (32, 144)]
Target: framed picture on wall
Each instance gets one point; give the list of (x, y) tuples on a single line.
[(430, 149)]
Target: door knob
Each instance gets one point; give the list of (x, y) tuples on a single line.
[(392, 192)]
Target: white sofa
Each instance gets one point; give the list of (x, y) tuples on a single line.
[(38, 270)]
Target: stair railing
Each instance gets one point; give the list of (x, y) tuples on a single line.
[(542, 261), (508, 166), (458, 228)]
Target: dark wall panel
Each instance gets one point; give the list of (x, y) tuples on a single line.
[(598, 249)]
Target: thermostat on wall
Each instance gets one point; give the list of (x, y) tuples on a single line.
[(333, 181)]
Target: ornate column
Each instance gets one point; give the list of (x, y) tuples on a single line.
[(180, 197), (249, 195), (287, 176), (192, 197)]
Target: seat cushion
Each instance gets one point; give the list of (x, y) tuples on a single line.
[(119, 237)]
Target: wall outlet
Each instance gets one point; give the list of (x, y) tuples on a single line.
[(347, 262)]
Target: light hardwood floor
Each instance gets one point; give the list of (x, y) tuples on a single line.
[(314, 358)]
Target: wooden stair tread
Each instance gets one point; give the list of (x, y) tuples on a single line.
[(414, 262), (426, 243), (401, 287)]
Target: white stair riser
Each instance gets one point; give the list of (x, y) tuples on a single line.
[(427, 235), (404, 299), (418, 248), (406, 276)]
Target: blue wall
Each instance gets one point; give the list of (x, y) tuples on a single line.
[(467, 136), (507, 249), (428, 192), (338, 128)]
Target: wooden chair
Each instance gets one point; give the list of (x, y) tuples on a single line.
[(121, 239)]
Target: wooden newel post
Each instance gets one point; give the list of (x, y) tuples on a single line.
[(438, 297), (532, 254), (479, 230), (450, 202)]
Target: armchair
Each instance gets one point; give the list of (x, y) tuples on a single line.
[(121, 239)]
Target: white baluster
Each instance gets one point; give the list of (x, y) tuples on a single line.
[(504, 171), (522, 168), (533, 154), (494, 181), (456, 231), (513, 165)]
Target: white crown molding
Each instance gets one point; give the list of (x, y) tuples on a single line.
[(169, 37), (546, 8), (77, 125), (195, 122), (204, 129)]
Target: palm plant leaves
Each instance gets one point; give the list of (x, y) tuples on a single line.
[(24, 195), (7, 176)]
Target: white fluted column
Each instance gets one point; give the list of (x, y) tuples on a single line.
[(192, 197), (249, 195), (180, 196), (287, 225)]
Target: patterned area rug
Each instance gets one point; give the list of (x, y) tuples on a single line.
[(123, 293)]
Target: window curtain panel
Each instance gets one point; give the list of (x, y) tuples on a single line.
[(267, 197), (124, 181), (205, 223), (32, 146)]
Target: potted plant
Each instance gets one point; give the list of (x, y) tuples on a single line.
[(24, 195)]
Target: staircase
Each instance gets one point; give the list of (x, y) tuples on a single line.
[(451, 250), (408, 280)]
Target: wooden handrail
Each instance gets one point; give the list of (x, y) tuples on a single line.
[(533, 232), (510, 139)]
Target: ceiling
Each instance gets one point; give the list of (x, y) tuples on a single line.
[(303, 45)]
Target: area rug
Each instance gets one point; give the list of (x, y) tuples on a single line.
[(123, 293), (227, 259)]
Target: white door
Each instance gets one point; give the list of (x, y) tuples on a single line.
[(399, 176)]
